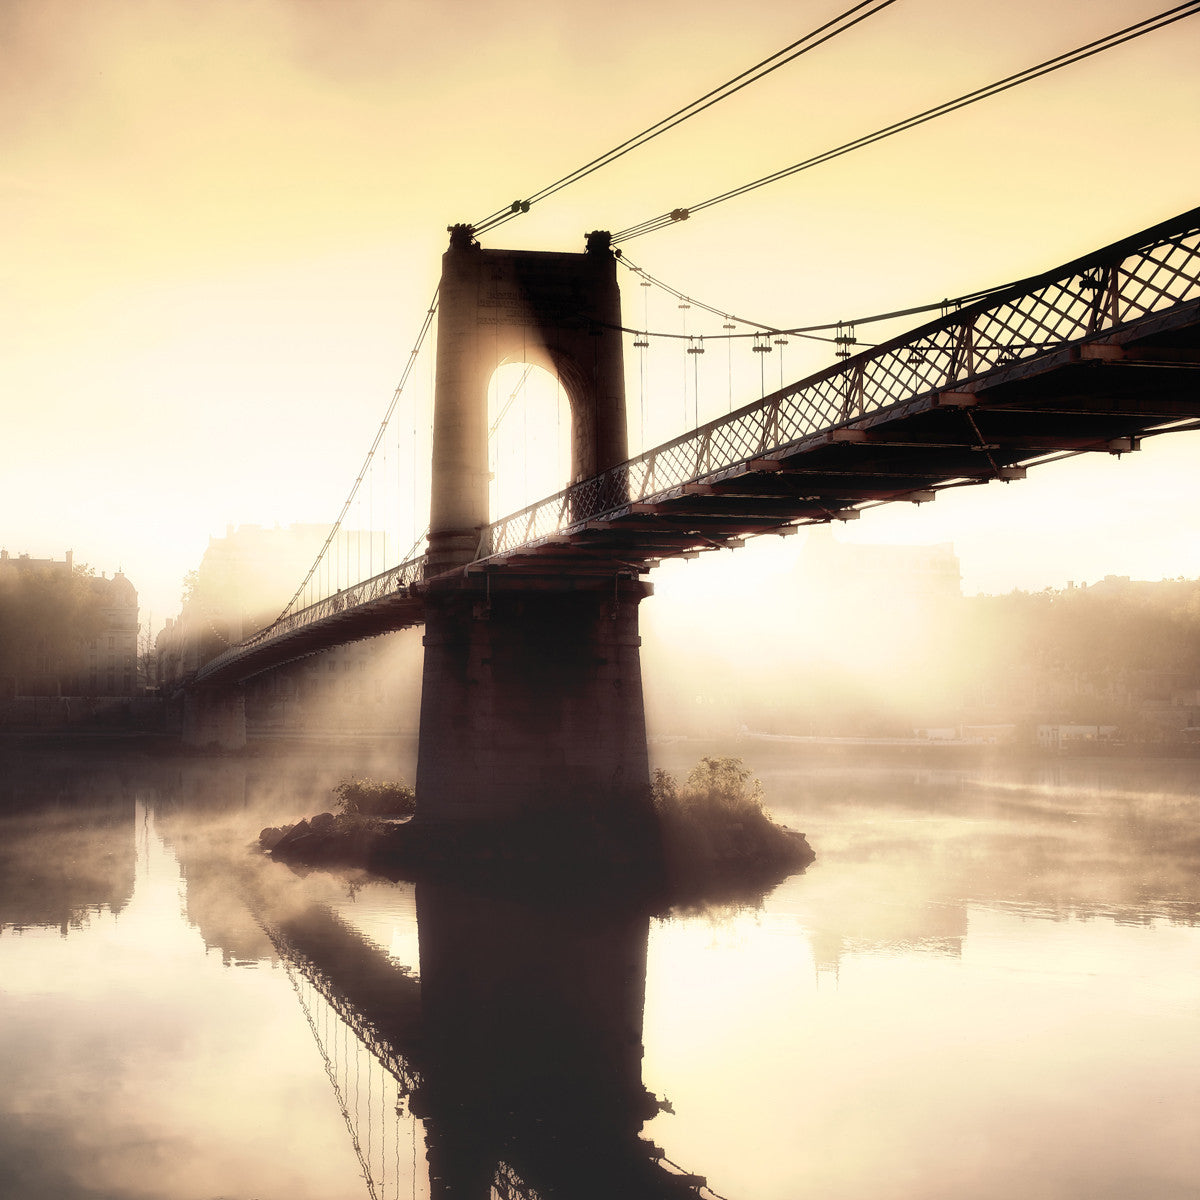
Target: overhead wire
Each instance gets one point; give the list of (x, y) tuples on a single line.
[(810, 41), (1068, 58)]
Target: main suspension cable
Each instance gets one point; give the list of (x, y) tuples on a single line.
[(362, 472), (1149, 25), (810, 41)]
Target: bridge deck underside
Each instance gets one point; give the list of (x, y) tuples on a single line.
[(386, 614)]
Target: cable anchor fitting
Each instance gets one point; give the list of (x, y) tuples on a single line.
[(462, 236)]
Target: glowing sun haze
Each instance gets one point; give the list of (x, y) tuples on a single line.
[(224, 222)]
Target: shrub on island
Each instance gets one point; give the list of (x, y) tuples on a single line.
[(716, 818), (373, 798)]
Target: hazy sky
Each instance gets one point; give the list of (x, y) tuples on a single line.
[(223, 221)]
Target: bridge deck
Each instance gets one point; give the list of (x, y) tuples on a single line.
[(1097, 396), (1089, 357)]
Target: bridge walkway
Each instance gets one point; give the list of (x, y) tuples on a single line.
[(1090, 357)]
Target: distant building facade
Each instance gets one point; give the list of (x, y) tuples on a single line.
[(112, 655), (67, 632)]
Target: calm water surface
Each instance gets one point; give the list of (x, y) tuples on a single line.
[(988, 985)]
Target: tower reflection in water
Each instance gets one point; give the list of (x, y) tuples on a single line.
[(518, 1052)]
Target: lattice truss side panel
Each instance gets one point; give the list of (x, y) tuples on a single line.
[(1090, 298), (394, 582)]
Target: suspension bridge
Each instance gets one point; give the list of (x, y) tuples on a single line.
[(531, 686), (1090, 357)]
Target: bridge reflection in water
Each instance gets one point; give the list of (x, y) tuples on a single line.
[(518, 1050)]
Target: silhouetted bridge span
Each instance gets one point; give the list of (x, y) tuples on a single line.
[(519, 1049), (531, 694), (1091, 356)]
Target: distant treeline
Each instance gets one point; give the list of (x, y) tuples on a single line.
[(1095, 632), (1118, 653)]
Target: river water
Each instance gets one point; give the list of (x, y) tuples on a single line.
[(987, 985)]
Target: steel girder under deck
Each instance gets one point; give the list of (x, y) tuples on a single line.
[(1100, 397)]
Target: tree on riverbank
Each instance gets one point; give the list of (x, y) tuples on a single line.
[(1119, 652)]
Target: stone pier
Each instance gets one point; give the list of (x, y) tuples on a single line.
[(532, 689), (531, 698)]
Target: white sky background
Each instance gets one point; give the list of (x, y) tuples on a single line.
[(223, 222)]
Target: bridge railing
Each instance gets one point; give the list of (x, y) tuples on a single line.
[(1150, 272), (388, 583)]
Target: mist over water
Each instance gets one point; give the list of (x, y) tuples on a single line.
[(985, 986)]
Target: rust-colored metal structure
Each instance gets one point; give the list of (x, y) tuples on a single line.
[(1089, 357)]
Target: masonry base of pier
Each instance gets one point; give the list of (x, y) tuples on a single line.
[(531, 699), (214, 720)]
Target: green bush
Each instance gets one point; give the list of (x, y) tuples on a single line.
[(720, 787), (373, 798), (717, 815)]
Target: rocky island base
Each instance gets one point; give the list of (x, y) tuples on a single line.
[(707, 840)]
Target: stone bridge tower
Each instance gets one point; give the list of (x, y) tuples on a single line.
[(557, 311), (532, 693)]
